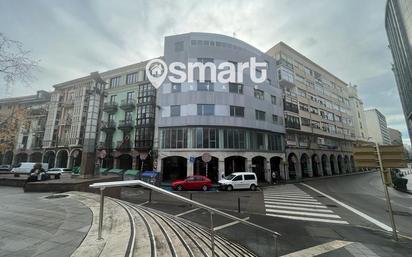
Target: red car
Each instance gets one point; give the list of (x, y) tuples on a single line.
[(196, 182)]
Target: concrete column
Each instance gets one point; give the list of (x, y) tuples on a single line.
[(320, 168), (248, 165), (328, 169), (283, 170), (189, 170), (116, 163), (310, 171), (221, 169), (134, 162), (268, 175), (336, 166)]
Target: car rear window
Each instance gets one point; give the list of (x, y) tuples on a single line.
[(250, 177)]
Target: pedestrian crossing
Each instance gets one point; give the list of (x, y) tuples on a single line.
[(290, 202)]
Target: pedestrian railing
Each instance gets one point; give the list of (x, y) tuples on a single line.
[(212, 211)]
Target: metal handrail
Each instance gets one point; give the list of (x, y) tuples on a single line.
[(212, 211)]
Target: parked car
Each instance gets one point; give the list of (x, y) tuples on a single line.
[(239, 180), (26, 167), (5, 168), (196, 182), (57, 172)]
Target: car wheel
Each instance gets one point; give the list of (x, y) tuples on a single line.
[(253, 187), (179, 188), (229, 188), (204, 188)]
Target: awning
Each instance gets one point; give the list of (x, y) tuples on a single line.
[(116, 171), (132, 172)]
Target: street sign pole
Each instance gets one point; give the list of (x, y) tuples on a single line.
[(388, 200), (206, 168)]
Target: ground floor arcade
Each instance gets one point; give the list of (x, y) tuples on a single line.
[(180, 164)]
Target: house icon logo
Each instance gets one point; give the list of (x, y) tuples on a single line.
[(156, 71)]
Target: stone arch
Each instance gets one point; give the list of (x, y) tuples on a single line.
[(333, 166), (275, 163), (36, 157), (324, 161), (258, 167), (235, 163), (293, 166), (210, 170), (49, 157), (316, 169), (21, 157), (62, 158), (174, 167), (8, 158), (347, 165), (305, 165), (340, 164), (125, 162), (75, 159)]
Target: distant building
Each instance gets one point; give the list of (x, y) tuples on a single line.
[(398, 23), (377, 127), (358, 114), (395, 136)]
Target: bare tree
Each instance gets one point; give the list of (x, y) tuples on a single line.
[(15, 63)]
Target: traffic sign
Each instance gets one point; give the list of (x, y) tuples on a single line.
[(206, 157)]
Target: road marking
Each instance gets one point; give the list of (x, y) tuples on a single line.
[(304, 213), (228, 224), (187, 212), (297, 208), (291, 201), (319, 249), (307, 219), (363, 215), (297, 204), (141, 204), (289, 196)]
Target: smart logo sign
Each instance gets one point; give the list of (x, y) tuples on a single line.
[(178, 72)]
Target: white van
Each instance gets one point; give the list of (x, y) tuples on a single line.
[(239, 180), (26, 167)]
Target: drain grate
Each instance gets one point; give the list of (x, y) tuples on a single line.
[(56, 196), (331, 205)]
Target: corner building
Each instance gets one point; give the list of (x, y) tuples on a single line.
[(239, 124), (318, 117)]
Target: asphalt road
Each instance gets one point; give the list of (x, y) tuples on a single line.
[(366, 193)]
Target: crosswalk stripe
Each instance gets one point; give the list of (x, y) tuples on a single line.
[(291, 201), (296, 208), (308, 219), (289, 198), (304, 213), (297, 204)]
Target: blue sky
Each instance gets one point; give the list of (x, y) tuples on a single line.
[(74, 38)]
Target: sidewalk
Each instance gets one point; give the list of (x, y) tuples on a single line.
[(32, 225)]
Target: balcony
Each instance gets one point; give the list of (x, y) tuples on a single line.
[(110, 107), (292, 125), (126, 125), (39, 111), (124, 145), (286, 78), (108, 126), (104, 145), (128, 104), (291, 107)]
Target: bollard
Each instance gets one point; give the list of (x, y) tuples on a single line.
[(238, 204), (191, 198), (150, 196)]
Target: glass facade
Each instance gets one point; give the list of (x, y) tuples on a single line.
[(220, 138)]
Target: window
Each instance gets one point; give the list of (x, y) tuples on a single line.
[(131, 78), (144, 137), (130, 97), (237, 111), (315, 124), (173, 137), (206, 138), (174, 110), (260, 115), (145, 115), (236, 88), (128, 116), (259, 94), (249, 177), (303, 107), (273, 99), (113, 99), (176, 87), (237, 178), (146, 94), (205, 109), (275, 119), (114, 82), (314, 110), (305, 122), (234, 138), (205, 86), (292, 107), (292, 122)]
